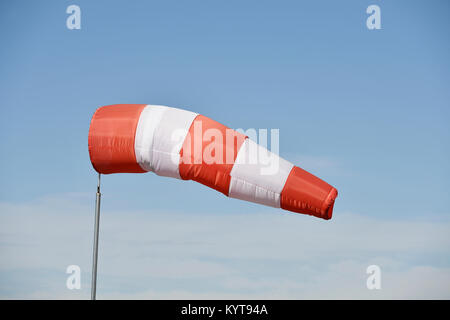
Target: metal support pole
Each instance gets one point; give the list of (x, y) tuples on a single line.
[(96, 228)]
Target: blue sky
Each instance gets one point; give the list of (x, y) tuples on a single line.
[(366, 110)]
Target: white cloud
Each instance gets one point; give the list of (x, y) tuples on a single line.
[(274, 255)]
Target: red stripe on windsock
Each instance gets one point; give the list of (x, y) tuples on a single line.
[(206, 157), (305, 193), (111, 138)]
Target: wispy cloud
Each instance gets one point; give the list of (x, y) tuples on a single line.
[(176, 255)]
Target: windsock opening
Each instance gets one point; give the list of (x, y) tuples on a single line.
[(328, 204), (111, 138)]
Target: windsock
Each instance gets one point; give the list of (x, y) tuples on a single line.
[(171, 142)]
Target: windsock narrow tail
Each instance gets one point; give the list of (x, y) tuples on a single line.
[(137, 138)]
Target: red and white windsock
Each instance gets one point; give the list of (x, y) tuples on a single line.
[(176, 143)]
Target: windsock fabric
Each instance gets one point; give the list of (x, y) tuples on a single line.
[(171, 142)]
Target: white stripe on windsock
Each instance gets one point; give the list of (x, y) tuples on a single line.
[(160, 134), (258, 175)]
